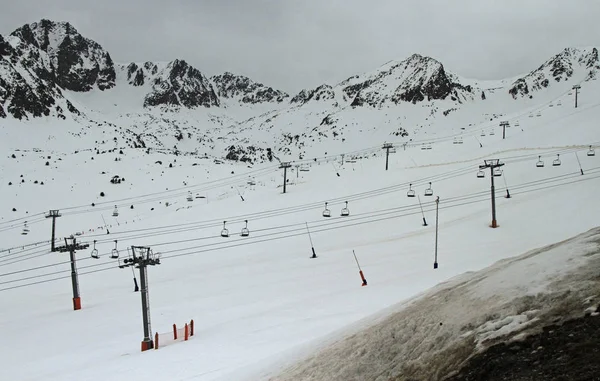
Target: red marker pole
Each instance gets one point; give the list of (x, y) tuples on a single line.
[(362, 276)]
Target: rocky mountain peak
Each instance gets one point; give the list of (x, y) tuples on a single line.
[(27, 83), (245, 90), (180, 84), (571, 62), (416, 79), (78, 63)]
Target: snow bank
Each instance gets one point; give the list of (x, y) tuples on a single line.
[(431, 336)]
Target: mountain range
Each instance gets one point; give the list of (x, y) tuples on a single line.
[(49, 71)]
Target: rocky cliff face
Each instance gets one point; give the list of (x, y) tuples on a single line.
[(78, 63), (180, 84), (245, 90), (565, 66), (28, 83), (413, 80)]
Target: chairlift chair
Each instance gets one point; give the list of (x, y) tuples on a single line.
[(423, 147), (25, 229), (190, 197), (482, 133), (559, 103), (455, 141), (460, 141), (245, 232), (429, 146), (591, 152), (326, 212), (556, 161), (411, 192), (115, 212), (345, 211), (550, 105), (429, 191), (531, 115), (95, 254), (497, 172), (539, 163), (480, 174), (539, 114), (114, 254), (224, 232), (492, 132)]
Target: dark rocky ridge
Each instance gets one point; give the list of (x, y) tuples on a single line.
[(229, 85), (27, 85), (559, 68), (78, 63), (570, 351), (180, 84), (423, 78)]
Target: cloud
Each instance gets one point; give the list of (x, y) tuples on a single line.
[(295, 44)]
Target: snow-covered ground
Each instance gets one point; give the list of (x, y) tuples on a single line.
[(258, 300), (431, 335)]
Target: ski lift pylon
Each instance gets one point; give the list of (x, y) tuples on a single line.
[(345, 211), (245, 232), (411, 192), (326, 212)]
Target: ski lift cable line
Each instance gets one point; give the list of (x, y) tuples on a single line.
[(156, 193), (301, 232), (522, 156), (319, 223), (226, 181)]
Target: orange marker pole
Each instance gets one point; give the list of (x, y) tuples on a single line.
[(362, 276)]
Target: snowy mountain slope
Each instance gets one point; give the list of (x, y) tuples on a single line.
[(253, 298), (232, 117), (432, 335), (572, 65)]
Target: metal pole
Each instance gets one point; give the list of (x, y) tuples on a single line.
[(494, 224), (53, 233), (422, 213), (437, 204), (387, 155), (284, 178), (314, 255), (147, 343), (580, 168), (74, 280), (54, 214)]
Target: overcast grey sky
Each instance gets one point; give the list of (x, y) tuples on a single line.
[(295, 44)]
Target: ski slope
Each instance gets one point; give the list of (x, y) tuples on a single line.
[(257, 300)]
